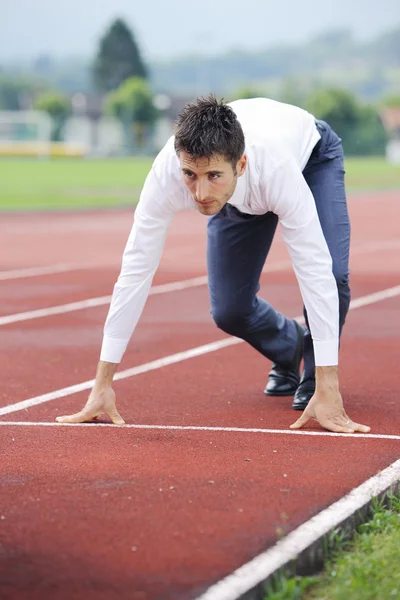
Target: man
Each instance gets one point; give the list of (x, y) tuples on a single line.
[(247, 166)]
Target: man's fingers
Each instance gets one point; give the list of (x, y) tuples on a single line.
[(344, 425), (332, 426), (337, 424), (116, 417), (305, 417), (357, 426), (360, 428), (80, 417)]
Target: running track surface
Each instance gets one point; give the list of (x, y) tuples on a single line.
[(164, 513)]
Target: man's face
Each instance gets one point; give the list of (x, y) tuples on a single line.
[(210, 181)]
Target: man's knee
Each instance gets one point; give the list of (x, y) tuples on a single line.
[(342, 278), (343, 285), (229, 319)]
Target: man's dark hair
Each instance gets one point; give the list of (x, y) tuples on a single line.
[(209, 127)]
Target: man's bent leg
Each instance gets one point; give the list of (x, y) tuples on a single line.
[(237, 246)]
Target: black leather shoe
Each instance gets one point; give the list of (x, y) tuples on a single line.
[(304, 393), (283, 381)]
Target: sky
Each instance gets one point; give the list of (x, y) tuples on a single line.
[(172, 28)]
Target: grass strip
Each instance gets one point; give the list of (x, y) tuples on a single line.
[(29, 184), (365, 568)]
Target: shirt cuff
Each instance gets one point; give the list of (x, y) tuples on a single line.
[(326, 353), (112, 349)]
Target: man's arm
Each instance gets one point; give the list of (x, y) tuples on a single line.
[(139, 263), (291, 199)]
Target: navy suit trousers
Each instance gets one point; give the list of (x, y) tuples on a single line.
[(238, 245)]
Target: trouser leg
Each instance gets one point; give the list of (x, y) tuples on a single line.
[(236, 252)]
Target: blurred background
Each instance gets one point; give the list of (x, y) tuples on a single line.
[(90, 89)]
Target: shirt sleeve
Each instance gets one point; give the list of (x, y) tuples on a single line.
[(291, 199), (139, 263)]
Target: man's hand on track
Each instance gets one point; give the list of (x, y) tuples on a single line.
[(99, 402), (327, 409)]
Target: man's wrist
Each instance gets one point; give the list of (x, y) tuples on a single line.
[(327, 378), (105, 374)]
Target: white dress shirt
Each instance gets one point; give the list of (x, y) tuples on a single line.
[(279, 140)]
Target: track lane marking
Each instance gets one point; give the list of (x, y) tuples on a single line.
[(281, 265), (37, 271), (27, 272), (98, 301), (164, 288), (150, 366), (257, 570), (94, 425), (176, 358)]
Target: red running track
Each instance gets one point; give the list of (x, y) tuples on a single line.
[(106, 512)]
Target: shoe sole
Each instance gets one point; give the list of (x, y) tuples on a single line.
[(299, 406), (281, 394)]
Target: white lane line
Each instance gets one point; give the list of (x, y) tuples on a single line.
[(281, 265), (54, 310), (175, 358), (94, 425), (150, 366), (60, 309), (256, 571), (99, 301), (65, 267), (375, 297), (37, 271), (104, 300), (284, 264)]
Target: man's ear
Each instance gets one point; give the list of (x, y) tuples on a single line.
[(241, 165)]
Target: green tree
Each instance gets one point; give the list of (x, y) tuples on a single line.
[(58, 107), (337, 107), (359, 126), (370, 136), (118, 58), (292, 91), (132, 103), (246, 92)]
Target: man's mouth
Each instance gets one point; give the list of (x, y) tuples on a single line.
[(205, 202)]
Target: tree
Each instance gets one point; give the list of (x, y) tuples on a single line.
[(292, 91), (246, 92), (359, 126), (369, 136), (338, 107), (132, 103), (58, 107), (118, 58)]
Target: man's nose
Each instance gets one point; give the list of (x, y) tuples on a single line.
[(201, 190)]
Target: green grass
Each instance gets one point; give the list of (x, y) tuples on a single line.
[(371, 173), (61, 183), (75, 183), (367, 568)]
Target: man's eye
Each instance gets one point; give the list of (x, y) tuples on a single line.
[(190, 175), (214, 175)]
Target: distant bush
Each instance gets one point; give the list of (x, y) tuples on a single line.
[(359, 126), (58, 107)]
